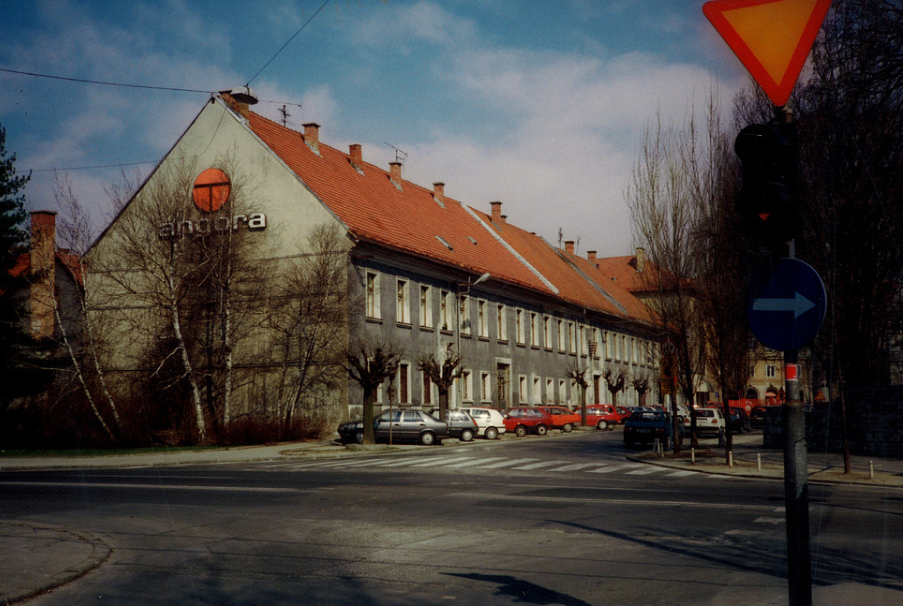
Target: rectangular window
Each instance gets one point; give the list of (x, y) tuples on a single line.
[(427, 389), (550, 389), (444, 312), (537, 391), (547, 331), (404, 386), (372, 294), (535, 332), (572, 337), (502, 324), (624, 348), (426, 308), (607, 345), (770, 371), (584, 340), (562, 338), (482, 319), (466, 386), (522, 390), (464, 310), (596, 342), (519, 325), (632, 350), (485, 386), (401, 309), (562, 391)]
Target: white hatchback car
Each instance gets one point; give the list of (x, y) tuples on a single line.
[(708, 420), (491, 422)]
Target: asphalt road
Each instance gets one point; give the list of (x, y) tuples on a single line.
[(540, 521)]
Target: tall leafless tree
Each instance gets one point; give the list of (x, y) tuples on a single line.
[(369, 363)]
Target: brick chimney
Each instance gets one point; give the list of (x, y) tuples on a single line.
[(591, 257), (395, 173), (569, 246), (496, 212), (439, 191), (357, 156), (243, 109), (640, 260), (312, 136), (43, 287)]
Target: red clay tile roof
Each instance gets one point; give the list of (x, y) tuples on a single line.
[(408, 219), (623, 271), (571, 275)]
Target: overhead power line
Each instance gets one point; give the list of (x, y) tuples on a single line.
[(282, 48)]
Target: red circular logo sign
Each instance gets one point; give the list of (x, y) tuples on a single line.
[(211, 190)]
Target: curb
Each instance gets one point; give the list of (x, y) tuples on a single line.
[(100, 553)]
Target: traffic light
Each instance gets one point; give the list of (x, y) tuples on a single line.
[(768, 202)]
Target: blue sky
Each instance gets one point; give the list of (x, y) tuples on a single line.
[(538, 103)]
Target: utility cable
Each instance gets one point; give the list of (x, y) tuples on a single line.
[(282, 48)]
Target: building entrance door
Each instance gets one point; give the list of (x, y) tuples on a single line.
[(503, 384)]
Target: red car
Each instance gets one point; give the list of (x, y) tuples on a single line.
[(562, 418), (524, 420), (603, 416)]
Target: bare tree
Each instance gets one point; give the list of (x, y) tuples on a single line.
[(579, 374), (615, 381), (75, 234), (369, 362), (443, 373), (310, 319)]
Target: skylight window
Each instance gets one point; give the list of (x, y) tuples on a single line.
[(447, 245)]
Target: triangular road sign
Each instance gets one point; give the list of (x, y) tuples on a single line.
[(772, 38)]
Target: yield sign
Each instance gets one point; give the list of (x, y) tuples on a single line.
[(772, 38)]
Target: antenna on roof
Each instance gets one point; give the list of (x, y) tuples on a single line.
[(400, 154), (285, 115), (560, 236)]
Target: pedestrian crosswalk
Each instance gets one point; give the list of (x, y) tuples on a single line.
[(476, 464)]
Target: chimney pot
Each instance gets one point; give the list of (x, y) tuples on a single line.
[(496, 212), (503, 219), (569, 246), (439, 191), (357, 156), (591, 256), (312, 136), (395, 172)]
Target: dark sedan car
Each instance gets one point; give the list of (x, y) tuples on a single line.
[(402, 425), (645, 426)]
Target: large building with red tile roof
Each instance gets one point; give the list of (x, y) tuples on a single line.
[(424, 270)]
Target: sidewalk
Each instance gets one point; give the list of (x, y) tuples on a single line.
[(751, 459), (35, 558)]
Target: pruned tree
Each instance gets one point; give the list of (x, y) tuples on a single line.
[(581, 375), (641, 383), (615, 380), (442, 371), (369, 362)]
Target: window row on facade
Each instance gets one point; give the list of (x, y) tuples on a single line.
[(468, 316)]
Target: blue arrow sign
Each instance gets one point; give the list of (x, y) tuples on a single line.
[(788, 312)]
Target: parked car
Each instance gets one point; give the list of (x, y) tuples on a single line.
[(404, 425), (603, 416), (562, 418), (624, 413), (757, 417), (490, 421), (460, 424), (645, 426), (525, 420), (708, 420), (740, 421)]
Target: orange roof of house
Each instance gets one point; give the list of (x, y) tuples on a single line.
[(634, 307), (623, 271), (408, 218)]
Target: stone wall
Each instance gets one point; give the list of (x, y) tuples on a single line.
[(875, 421)]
